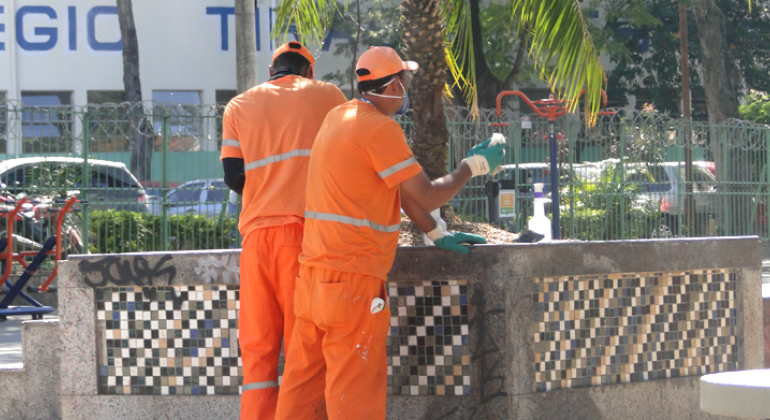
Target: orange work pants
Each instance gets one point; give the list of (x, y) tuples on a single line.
[(337, 367), (269, 267)]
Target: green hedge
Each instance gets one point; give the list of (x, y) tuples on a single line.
[(598, 225), (123, 231)]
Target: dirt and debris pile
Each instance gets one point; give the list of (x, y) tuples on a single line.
[(411, 235)]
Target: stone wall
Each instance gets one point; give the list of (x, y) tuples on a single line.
[(568, 330)]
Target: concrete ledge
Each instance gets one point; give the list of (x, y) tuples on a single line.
[(743, 393), (766, 321), (674, 399), (181, 407), (32, 391)]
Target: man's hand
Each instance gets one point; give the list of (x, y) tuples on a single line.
[(451, 241), (485, 157), (480, 146)]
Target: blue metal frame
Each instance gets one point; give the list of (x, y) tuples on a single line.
[(37, 310)]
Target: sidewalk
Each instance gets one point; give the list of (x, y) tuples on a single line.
[(10, 340)]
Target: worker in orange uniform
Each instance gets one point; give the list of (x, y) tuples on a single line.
[(362, 172), (268, 132)]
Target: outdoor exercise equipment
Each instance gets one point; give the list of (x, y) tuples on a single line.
[(551, 109), (52, 247)]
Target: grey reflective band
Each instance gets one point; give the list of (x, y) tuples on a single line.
[(276, 158), (260, 385), (352, 221), (397, 167), (234, 143)]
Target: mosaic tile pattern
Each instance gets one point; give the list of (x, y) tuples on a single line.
[(168, 340), (428, 346), (183, 340), (595, 330)]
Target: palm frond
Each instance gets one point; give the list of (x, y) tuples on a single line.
[(460, 57), (559, 35), (310, 19)]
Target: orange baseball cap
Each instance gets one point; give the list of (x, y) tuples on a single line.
[(295, 47), (379, 62)]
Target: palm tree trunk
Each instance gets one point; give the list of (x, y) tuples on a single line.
[(139, 129), (424, 43)]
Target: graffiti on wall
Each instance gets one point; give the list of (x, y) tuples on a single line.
[(126, 271), (214, 270)]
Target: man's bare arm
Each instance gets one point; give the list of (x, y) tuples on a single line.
[(419, 215), (432, 195)]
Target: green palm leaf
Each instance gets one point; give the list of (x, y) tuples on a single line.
[(560, 36), (311, 19), (459, 50)]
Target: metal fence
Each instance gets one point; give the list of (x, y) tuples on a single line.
[(624, 178), (180, 200)]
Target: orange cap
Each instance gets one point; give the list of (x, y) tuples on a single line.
[(295, 47), (379, 62)]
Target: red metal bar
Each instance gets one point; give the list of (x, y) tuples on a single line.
[(59, 221), (523, 97), (8, 253)]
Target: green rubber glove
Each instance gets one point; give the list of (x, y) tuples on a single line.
[(451, 241), (485, 157), (476, 148), (485, 161)]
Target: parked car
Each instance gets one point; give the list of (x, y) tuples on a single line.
[(667, 186), (662, 186), (202, 196), (111, 184)]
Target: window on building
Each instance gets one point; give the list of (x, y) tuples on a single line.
[(46, 122), (224, 96), (182, 110), (108, 121)]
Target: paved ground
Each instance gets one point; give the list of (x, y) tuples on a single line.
[(10, 338), (10, 342), (10, 330)]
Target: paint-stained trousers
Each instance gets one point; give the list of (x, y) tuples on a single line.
[(269, 268), (337, 367)]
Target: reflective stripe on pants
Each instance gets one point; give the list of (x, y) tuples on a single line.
[(259, 385), (337, 367), (269, 269)]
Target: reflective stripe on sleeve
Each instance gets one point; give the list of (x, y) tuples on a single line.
[(276, 158), (397, 167), (353, 221), (233, 143), (259, 385)]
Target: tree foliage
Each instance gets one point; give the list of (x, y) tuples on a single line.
[(757, 108), (642, 40), (559, 42), (380, 26)]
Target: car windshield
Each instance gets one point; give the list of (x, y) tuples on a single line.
[(52, 174), (650, 178), (702, 179), (186, 194), (218, 192)]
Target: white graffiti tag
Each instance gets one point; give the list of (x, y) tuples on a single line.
[(212, 269)]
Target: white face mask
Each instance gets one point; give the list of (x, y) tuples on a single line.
[(379, 95)]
